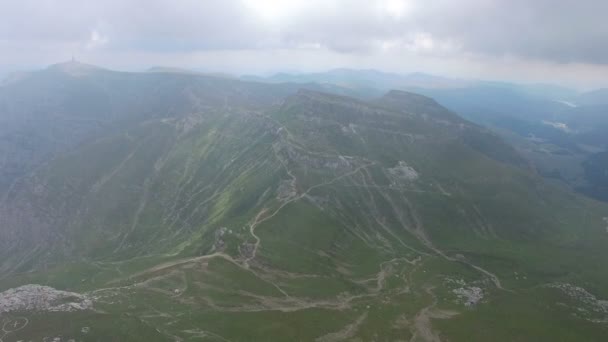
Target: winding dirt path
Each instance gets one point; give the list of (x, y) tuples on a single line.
[(423, 328), (345, 333)]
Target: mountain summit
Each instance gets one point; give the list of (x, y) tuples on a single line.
[(74, 68)]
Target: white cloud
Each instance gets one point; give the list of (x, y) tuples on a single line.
[(274, 10), (96, 40), (395, 8)]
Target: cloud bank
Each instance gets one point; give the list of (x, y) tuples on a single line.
[(528, 32)]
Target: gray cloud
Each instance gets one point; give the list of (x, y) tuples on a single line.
[(548, 31), (562, 31)]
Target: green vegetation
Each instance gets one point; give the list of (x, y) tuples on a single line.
[(234, 213)]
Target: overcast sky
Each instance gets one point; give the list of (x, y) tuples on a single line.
[(559, 41)]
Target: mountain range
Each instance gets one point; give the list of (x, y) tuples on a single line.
[(560, 131), (176, 206)]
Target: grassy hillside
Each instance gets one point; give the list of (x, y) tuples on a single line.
[(283, 215)]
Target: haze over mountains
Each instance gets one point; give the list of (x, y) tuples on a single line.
[(561, 131), (169, 205)]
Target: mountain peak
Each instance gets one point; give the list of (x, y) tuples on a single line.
[(409, 98), (405, 101), (324, 97), (74, 68)]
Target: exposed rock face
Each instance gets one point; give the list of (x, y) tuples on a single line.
[(42, 298), (286, 190), (589, 306), (469, 295), (404, 171)]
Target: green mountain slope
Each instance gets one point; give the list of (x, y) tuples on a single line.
[(559, 131), (222, 210)]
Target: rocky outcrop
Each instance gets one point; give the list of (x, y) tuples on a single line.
[(42, 299)]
